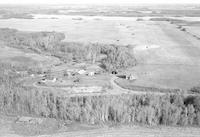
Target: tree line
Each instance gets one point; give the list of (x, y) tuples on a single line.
[(103, 109)]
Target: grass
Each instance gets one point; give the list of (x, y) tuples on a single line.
[(48, 126), (51, 127), (126, 84), (136, 131), (96, 80)]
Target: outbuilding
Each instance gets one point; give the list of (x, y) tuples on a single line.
[(81, 72), (131, 77), (91, 73)]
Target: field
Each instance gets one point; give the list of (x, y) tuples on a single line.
[(173, 63), (8, 128), (135, 131)]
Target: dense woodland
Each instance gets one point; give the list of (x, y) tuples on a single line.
[(113, 109), (115, 57)]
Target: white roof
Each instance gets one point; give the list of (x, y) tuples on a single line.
[(81, 71)]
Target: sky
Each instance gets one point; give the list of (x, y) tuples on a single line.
[(98, 1)]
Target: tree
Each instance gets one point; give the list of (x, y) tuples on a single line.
[(118, 57)]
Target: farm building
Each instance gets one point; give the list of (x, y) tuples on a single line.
[(131, 77), (81, 72), (94, 69), (128, 76), (91, 73), (45, 80)]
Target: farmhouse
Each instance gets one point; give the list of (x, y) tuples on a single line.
[(93, 69), (82, 72)]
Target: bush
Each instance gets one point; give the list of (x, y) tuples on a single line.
[(195, 90), (118, 57)]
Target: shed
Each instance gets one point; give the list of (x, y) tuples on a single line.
[(81, 72), (91, 73), (131, 77), (54, 80)]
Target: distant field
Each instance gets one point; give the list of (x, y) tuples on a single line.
[(112, 30)]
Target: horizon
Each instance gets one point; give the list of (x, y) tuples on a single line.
[(97, 2)]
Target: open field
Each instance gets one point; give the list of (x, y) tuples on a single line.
[(172, 63), (135, 131), (51, 128)]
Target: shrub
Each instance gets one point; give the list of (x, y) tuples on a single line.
[(191, 114), (118, 57), (195, 89)]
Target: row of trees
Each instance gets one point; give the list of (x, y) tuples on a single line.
[(121, 109)]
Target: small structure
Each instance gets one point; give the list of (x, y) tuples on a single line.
[(91, 73), (131, 77), (67, 74), (78, 18), (140, 19), (29, 120), (17, 72), (114, 72), (81, 72), (24, 73), (76, 80), (43, 80), (94, 69), (54, 80)]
